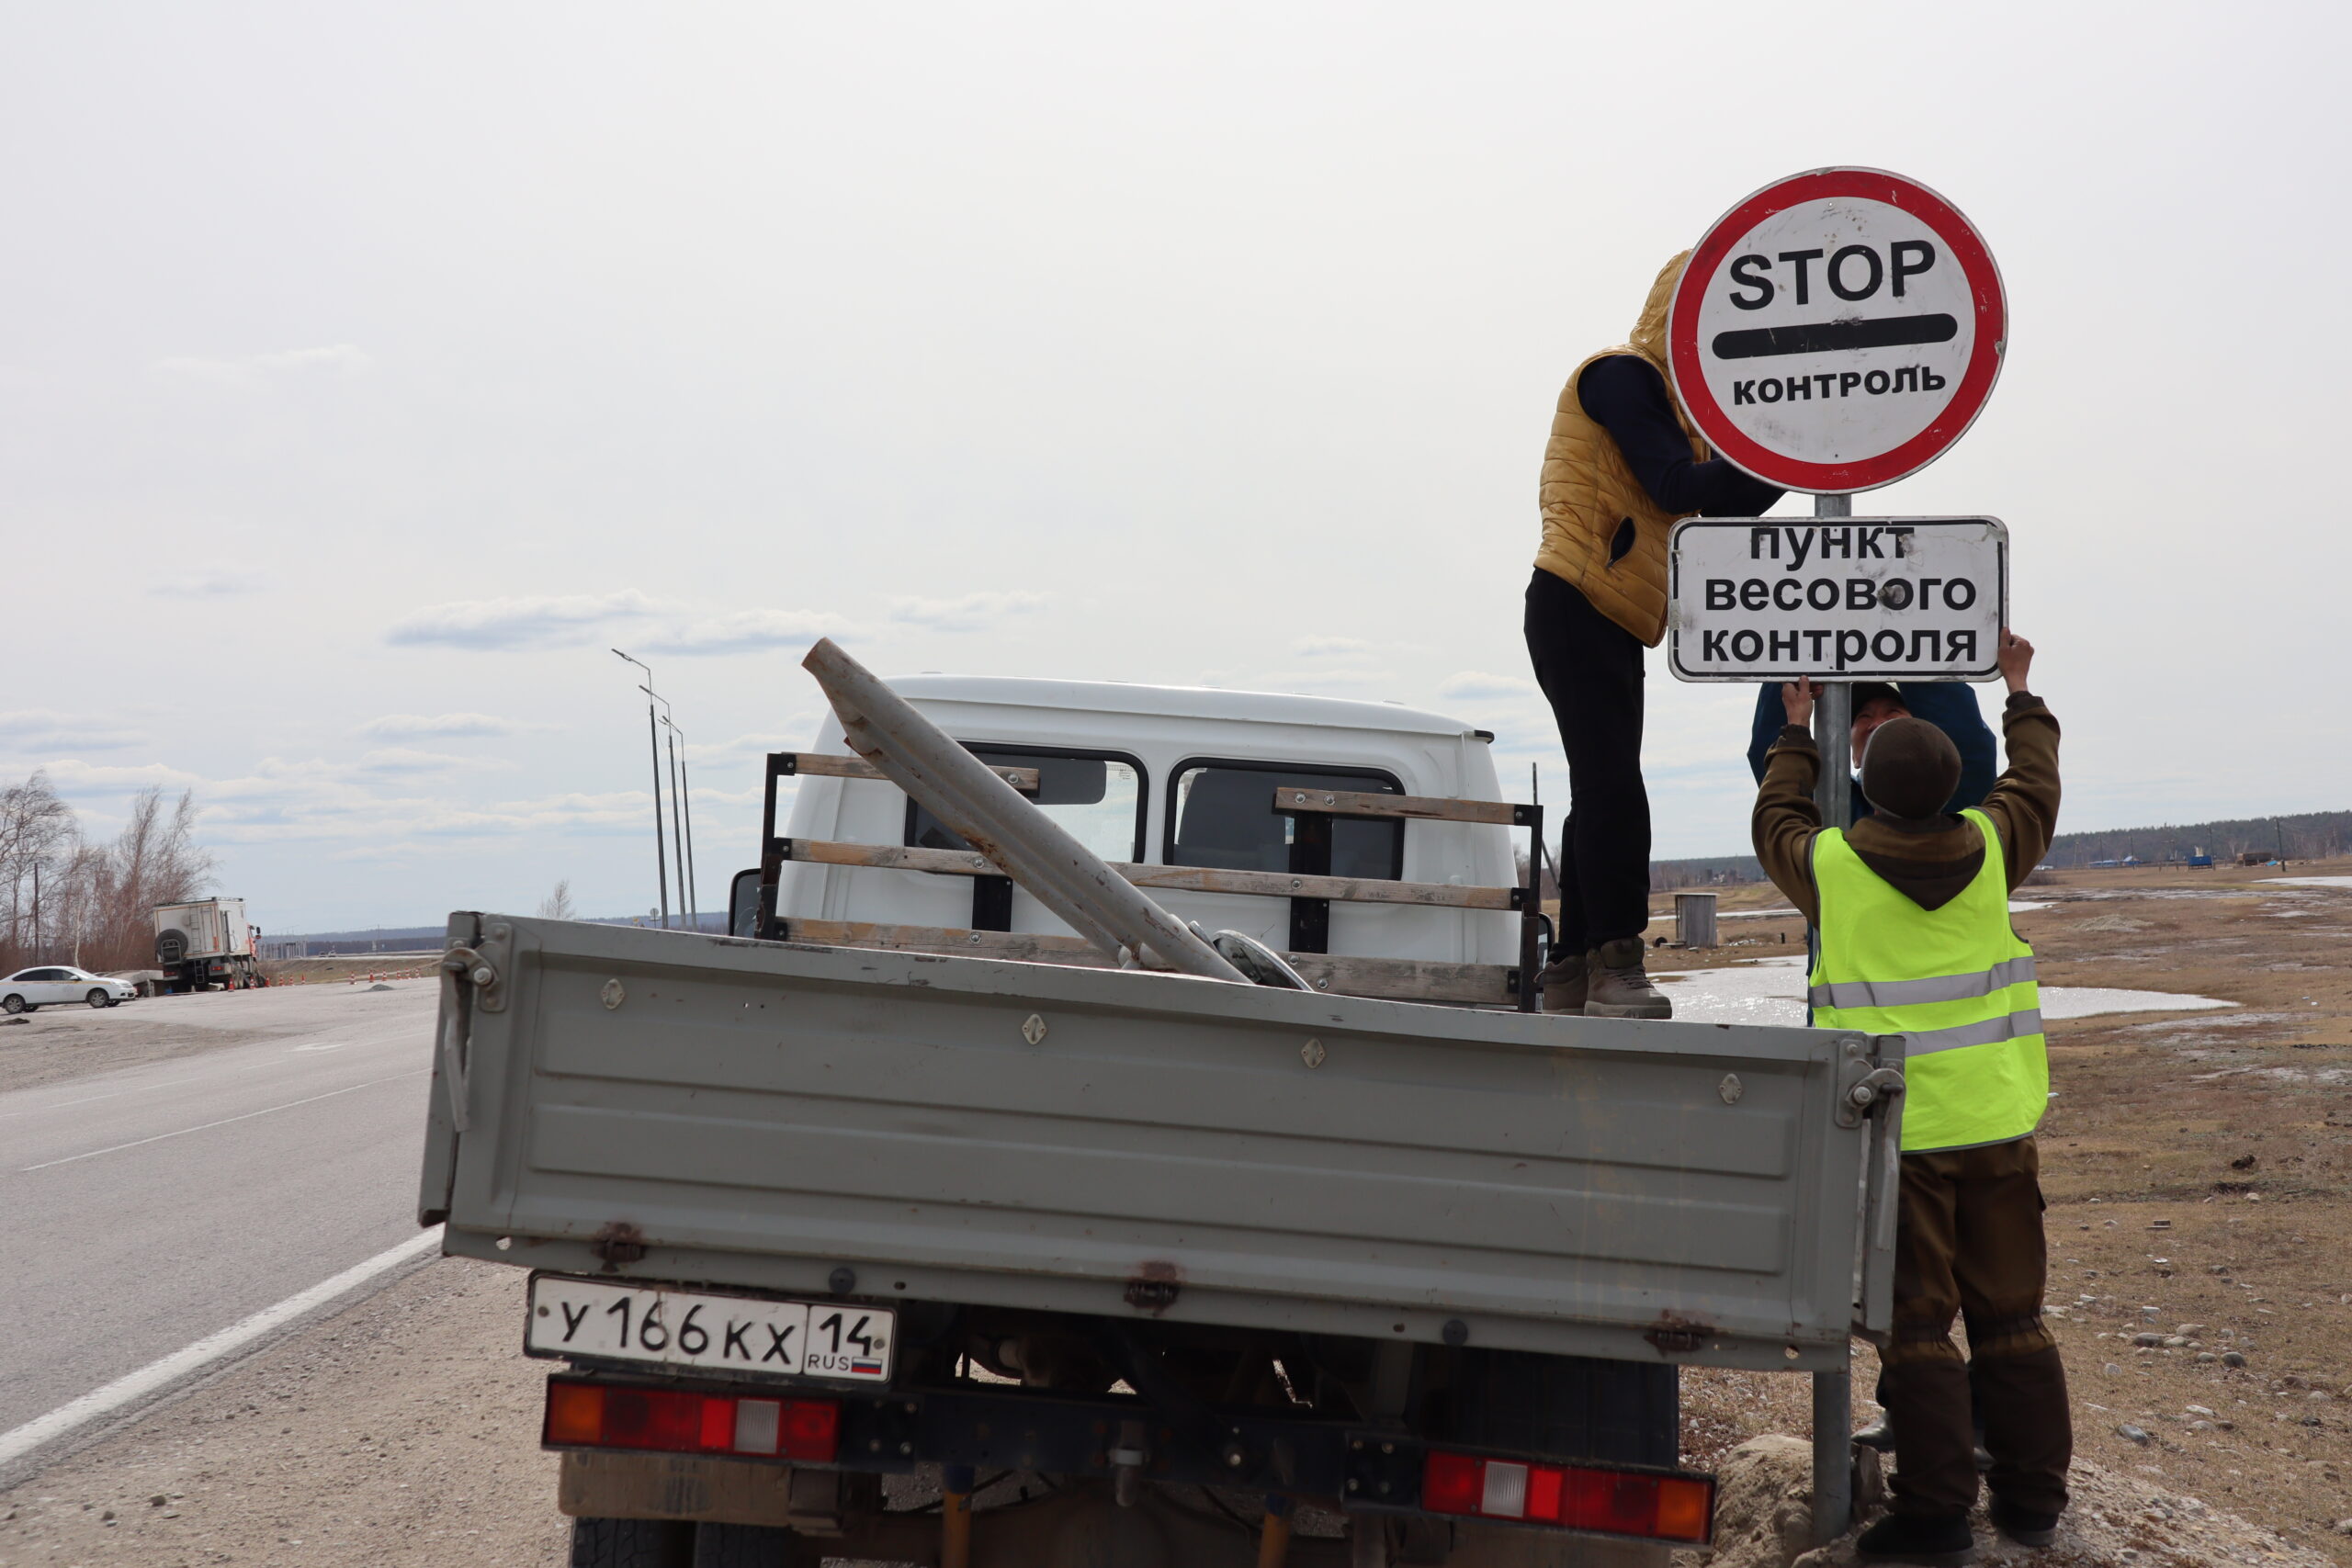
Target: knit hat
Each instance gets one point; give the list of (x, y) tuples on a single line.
[(1869, 692), (1910, 768)]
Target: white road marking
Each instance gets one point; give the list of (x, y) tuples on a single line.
[(94, 1099), (165, 1083), (123, 1390), (314, 1100)]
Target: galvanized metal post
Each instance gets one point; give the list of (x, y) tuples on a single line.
[(1833, 718), (1833, 1392)]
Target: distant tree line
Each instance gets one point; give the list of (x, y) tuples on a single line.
[(2309, 835), (65, 899), (1722, 871)]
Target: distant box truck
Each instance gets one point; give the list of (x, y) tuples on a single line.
[(206, 944)]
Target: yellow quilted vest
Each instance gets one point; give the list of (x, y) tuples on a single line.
[(1602, 535)]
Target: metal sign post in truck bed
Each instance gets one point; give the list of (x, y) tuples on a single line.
[(1833, 333)]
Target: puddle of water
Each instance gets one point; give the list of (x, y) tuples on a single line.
[(2016, 907), (1771, 990)]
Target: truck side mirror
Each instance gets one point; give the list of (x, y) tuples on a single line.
[(744, 903)]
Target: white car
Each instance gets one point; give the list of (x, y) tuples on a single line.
[(29, 989)]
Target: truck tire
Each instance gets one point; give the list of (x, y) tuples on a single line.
[(632, 1543), (753, 1546)]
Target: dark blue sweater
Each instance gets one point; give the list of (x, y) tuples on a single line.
[(1626, 396)]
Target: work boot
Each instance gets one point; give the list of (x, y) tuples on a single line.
[(1562, 983), (1935, 1540), (2025, 1527), (1615, 986)]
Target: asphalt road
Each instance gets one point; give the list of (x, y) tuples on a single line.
[(146, 1208)]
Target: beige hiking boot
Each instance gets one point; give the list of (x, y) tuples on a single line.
[(1616, 987), (1562, 983)]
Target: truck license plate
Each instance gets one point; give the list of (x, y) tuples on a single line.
[(692, 1330)]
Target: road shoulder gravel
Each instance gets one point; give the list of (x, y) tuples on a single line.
[(402, 1430)]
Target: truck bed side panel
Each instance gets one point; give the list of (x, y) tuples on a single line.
[(760, 1114)]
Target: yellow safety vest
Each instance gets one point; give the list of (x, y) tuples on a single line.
[(1957, 980)]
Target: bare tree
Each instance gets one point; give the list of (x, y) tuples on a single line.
[(37, 841), (69, 898), (558, 906)]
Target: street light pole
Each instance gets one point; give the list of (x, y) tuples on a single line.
[(677, 830), (683, 793), (653, 739)]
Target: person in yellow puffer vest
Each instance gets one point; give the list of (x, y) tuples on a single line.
[(1622, 466)]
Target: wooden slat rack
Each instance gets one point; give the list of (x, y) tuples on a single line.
[(1309, 885)]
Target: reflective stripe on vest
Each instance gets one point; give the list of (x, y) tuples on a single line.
[(1956, 980)]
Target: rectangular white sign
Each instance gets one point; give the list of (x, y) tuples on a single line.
[(1845, 599)]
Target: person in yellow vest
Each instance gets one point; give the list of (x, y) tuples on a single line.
[(1622, 466), (1911, 908)]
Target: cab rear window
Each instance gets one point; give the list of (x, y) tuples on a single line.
[(1223, 817), (1096, 796)]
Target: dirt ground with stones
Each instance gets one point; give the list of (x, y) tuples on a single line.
[(2196, 1166)]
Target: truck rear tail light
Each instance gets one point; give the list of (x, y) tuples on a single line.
[(583, 1415), (1613, 1501)]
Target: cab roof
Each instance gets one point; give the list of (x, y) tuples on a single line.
[(1177, 702)]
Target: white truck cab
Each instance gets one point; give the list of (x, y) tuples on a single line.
[(1172, 776)]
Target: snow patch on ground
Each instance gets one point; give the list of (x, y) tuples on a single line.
[(1771, 990)]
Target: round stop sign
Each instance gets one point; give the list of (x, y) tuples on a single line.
[(1836, 330)]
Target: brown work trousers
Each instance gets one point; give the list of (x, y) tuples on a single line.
[(1968, 1240)]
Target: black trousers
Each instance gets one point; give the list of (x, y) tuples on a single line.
[(1590, 669)]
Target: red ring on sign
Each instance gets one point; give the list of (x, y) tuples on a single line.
[(1959, 411)]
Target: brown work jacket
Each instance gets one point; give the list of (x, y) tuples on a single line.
[(1930, 861)]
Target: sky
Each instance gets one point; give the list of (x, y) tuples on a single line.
[(369, 371)]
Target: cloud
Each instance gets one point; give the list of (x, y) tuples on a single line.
[(252, 371), (210, 585), (653, 625), (972, 612), (749, 745), (1314, 681), (74, 776), (401, 759), (443, 726), (40, 729), (741, 631), (1477, 686), (531, 621), (1330, 647)]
